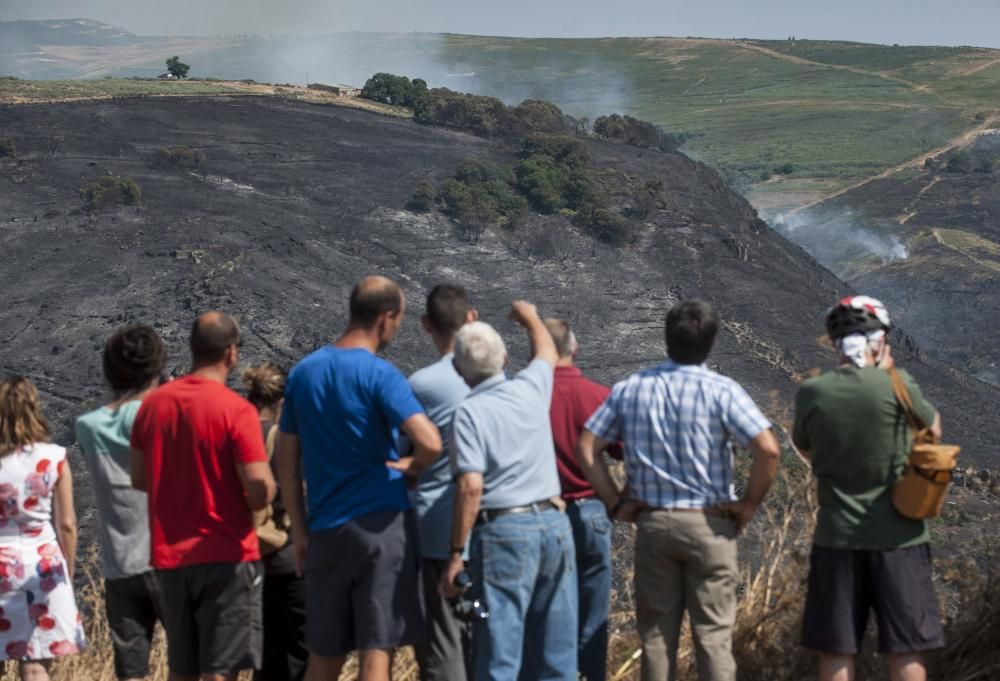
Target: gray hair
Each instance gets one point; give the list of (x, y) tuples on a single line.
[(480, 352)]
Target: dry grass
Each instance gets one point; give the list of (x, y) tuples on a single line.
[(766, 638)]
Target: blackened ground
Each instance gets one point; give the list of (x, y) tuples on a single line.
[(298, 202)]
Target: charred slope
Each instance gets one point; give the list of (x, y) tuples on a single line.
[(295, 202)]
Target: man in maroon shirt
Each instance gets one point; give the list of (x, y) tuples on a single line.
[(574, 399)]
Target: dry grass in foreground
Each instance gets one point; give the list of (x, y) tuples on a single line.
[(766, 639)]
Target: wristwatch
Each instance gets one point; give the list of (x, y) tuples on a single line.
[(457, 550)]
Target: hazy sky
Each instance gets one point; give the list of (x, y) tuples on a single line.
[(938, 22)]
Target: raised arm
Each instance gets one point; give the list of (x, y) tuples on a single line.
[(289, 464), (65, 518), (542, 345)]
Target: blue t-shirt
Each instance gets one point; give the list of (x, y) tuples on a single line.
[(440, 389), (346, 406)]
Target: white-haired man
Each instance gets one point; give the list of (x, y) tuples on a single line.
[(504, 463)]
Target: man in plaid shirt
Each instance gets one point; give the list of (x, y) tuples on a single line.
[(677, 422)]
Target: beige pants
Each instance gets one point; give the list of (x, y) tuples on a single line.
[(686, 561)]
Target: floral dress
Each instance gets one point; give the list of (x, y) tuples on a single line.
[(38, 615)]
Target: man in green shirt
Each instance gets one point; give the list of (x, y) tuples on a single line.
[(865, 554)]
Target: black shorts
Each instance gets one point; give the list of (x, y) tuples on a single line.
[(362, 586), (212, 616), (133, 606), (844, 585)]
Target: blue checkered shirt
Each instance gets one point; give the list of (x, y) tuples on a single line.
[(677, 423)]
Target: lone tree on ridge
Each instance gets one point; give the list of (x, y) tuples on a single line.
[(177, 68)]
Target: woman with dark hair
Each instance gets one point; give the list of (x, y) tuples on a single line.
[(134, 358), (38, 615), (285, 653)]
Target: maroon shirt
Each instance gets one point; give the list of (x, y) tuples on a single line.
[(574, 399)]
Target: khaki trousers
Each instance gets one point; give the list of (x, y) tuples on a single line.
[(686, 560)]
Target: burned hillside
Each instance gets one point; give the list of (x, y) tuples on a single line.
[(279, 207)]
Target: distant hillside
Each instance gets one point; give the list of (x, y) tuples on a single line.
[(291, 203)]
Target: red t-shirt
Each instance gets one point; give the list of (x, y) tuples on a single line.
[(574, 399), (193, 433)]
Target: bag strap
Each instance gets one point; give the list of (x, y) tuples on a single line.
[(904, 399)]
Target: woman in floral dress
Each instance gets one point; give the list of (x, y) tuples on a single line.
[(38, 615)]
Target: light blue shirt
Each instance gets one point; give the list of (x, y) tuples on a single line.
[(502, 430), (439, 389), (677, 423)]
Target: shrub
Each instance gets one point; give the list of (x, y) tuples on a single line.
[(177, 157), (766, 175), (7, 148), (632, 131), (389, 88), (961, 162), (109, 191), (485, 116), (537, 114), (424, 198), (606, 225)]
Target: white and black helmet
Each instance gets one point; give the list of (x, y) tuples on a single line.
[(856, 314)]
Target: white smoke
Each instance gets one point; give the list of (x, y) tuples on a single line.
[(840, 239)]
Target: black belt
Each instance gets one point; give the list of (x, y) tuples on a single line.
[(490, 514)]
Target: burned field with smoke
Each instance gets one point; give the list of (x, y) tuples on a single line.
[(276, 208)]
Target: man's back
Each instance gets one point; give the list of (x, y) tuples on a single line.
[(676, 423), (193, 433), (858, 439), (574, 399), (502, 430), (439, 389), (346, 405), (103, 436)]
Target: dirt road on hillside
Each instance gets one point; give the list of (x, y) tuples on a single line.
[(916, 87), (963, 140)]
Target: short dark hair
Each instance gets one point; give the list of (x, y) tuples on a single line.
[(212, 334), (447, 308), (133, 357), (371, 298), (690, 331), (562, 336)]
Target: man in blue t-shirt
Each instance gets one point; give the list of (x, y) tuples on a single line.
[(343, 410)]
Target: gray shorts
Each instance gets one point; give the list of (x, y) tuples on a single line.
[(133, 607), (212, 616), (362, 587)]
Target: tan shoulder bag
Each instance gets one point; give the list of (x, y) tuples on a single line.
[(921, 491)]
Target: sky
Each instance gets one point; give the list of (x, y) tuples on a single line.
[(926, 22)]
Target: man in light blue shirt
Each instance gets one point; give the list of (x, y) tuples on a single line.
[(503, 459), (448, 652), (677, 422)]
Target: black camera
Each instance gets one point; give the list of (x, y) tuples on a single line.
[(466, 608)]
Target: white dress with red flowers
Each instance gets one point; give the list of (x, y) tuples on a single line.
[(38, 615)]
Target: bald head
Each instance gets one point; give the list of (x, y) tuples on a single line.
[(563, 337), (371, 298), (212, 335)]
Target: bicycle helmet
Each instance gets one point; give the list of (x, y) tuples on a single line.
[(856, 314)]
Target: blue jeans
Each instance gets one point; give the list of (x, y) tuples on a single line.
[(524, 569), (592, 537)]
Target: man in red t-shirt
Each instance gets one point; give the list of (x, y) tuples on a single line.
[(574, 399), (198, 451)]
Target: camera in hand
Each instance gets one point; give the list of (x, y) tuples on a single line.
[(468, 609)]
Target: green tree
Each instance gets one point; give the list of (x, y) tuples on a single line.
[(177, 68)]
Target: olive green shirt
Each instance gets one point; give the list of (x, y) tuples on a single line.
[(858, 439)]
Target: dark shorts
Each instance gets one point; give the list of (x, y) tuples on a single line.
[(844, 585), (133, 606), (362, 586), (212, 615)]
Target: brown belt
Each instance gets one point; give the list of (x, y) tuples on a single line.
[(707, 511)]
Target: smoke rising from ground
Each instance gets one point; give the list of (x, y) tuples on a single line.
[(840, 239)]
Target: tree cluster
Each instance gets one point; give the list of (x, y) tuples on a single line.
[(635, 132), (553, 175), (389, 88), (177, 68)]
